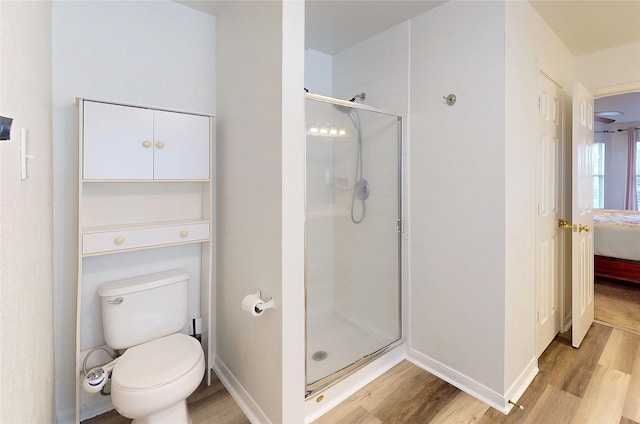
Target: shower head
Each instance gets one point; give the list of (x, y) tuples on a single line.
[(347, 109), (360, 96)]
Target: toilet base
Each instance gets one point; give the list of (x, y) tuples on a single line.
[(176, 414)]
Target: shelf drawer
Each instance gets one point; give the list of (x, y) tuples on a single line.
[(111, 241)]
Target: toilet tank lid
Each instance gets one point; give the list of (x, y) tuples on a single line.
[(143, 282)]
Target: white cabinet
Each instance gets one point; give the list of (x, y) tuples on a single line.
[(146, 202), (134, 143)]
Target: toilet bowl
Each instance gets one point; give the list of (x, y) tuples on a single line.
[(151, 382), (160, 366)]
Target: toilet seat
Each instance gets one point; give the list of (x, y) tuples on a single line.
[(157, 363)]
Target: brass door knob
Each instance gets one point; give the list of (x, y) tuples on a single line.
[(584, 228), (562, 223)]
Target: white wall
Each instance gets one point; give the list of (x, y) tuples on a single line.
[(457, 227), (256, 96), (26, 289), (151, 53), (318, 74), (293, 128), (260, 78), (378, 66), (530, 44)]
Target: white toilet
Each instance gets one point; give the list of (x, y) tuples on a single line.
[(161, 367)]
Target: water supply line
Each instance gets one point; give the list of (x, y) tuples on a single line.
[(360, 185), (361, 188)]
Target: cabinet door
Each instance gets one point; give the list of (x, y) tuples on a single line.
[(181, 146), (117, 142)]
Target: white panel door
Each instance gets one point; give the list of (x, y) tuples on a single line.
[(117, 142), (181, 146), (549, 236), (582, 215)]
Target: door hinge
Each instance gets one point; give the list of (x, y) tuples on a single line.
[(539, 102), (400, 225)]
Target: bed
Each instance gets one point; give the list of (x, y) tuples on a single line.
[(617, 244)]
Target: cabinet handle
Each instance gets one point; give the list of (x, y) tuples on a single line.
[(184, 233), (146, 143), (119, 240), (160, 144)]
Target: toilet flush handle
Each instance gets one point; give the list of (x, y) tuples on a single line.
[(116, 301)]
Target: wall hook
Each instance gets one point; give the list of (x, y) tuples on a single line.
[(450, 99)]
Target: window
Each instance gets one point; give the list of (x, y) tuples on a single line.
[(598, 175)]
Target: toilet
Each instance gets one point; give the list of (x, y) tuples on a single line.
[(160, 367)]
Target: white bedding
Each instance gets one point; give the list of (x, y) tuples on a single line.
[(617, 234)]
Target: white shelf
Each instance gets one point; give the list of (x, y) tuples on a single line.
[(143, 225), (143, 237)]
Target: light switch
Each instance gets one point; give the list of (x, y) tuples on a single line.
[(24, 156)]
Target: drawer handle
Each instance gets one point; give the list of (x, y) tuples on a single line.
[(119, 240), (146, 143), (160, 144), (184, 233)]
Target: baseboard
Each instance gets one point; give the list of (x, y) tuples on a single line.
[(244, 400), (340, 391), (68, 416), (461, 381), (522, 382)]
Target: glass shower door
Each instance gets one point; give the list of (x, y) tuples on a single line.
[(352, 240)]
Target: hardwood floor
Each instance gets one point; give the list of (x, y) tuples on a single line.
[(596, 384), (208, 404)]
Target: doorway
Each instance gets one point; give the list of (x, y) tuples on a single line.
[(616, 302)]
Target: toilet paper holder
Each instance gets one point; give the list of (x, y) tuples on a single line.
[(264, 305)]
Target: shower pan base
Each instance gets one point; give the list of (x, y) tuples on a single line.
[(343, 343), (321, 402)]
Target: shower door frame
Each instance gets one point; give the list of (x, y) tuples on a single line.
[(331, 379)]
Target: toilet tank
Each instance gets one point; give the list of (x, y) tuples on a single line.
[(140, 309)]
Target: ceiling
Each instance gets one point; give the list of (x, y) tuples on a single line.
[(584, 26), (628, 103), (333, 26), (589, 26)]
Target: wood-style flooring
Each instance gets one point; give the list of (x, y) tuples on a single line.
[(596, 384), (617, 303), (208, 404)]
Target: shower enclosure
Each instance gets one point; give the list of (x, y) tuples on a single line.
[(353, 237)]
